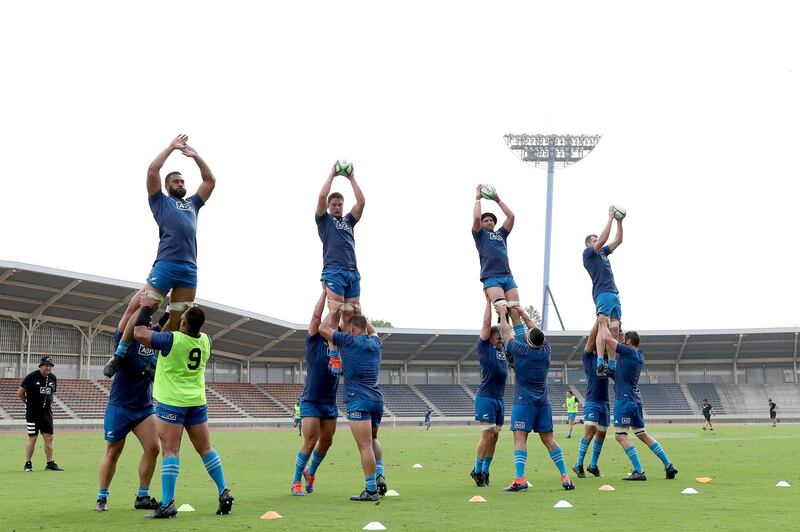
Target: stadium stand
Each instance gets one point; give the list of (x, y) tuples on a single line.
[(9, 400), (665, 399), (703, 390), (450, 399), (83, 397), (249, 398), (402, 401), (285, 394)]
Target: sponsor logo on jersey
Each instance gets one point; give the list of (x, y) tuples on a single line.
[(342, 225), (501, 355), (146, 351), (519, 424), (169, 415), (495, 236), (184, 205), (355, 414)]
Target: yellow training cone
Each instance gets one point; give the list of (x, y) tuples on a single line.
[(271, 515), (703, 480), (606, 487)]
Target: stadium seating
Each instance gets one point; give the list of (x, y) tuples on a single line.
[(82, 397), (700, 391), (286, 394), (9, 401), (450, 399), (665, 399), (249, 398), (403, 401)]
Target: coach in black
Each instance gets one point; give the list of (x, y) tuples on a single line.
[(36, 391)]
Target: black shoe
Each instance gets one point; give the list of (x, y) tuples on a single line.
[(101, 506), (163, 512), (52, 466), (111, 366), (579, 471), (366, 496), (146, 503), (485, 478), (225, 502), (594, 471), (381, 482), (609, 373), (28, 467), (635, 475), (671, 471), (478, 478), (601, 371)]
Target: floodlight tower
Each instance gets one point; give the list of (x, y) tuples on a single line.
[(550, 150)]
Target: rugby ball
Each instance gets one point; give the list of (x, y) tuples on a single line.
[(488, 192), (343, 167), (619, 212)]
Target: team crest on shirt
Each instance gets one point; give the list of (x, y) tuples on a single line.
[(184, 205), (146, 351), (495, 236), (501, 355), (342, 225)]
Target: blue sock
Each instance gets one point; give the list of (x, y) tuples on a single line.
[(634, 457), (597, 447), (170, 467), (122, 348), (478, 465), (299, 465), (102, 493), (144, 491), (599, 361), (316, 459), (558, 459), (656, 448), (520, 459), (378, 468), (519, 332), (372, 486), (612, 365), (583, 447), (213, 465), (487, 461)]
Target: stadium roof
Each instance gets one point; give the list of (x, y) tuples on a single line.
[(32, 293)]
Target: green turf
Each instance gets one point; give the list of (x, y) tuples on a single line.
[(744, 461)]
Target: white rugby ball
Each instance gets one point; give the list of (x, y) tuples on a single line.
[(343, 167), (619, 212), (488, 192)]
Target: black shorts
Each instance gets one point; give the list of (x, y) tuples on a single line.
[(707, 416), (772, 415), (37, 424)]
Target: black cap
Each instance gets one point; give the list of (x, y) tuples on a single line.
[(46, 360)]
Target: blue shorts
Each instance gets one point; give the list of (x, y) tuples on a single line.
[(118, 421), (628, 414), (297, 420), (608, 303), (365, 410), (346, 283), (167, 274), (182, 415), (536, 418), (318, 409), (506, 283), (489, 410), (571, 416), (596, 414)]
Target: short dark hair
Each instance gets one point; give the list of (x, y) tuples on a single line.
[(166, 179), (195, 318), (633, 338), (586, 242), (494, 329), (535, 337), (334, 195), (490, 215), (358, 321)]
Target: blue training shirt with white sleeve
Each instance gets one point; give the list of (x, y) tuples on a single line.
[(494, 370), (530, 368), (131, 388), (361, 362), (321, 385), (492, 252), (629, 367), (177, 226), (596, 388), (338, 241), (599, 268)]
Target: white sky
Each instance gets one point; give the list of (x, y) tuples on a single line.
[(697, 103)]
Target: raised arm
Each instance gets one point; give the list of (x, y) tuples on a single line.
[(316, 317), (603, 238), (209, 182), (322, 200), (508, 334), (508, 224), (592, 341), (617, 238), (476, 210), (154, 170), (358, 208), (486, 328), (142, 332), (327, 328), (370, 328), (610, 341)]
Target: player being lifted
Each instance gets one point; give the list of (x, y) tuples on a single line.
[(596, 411), (318, 410), (340, 275), (628, 411), (498, 283), (360, 349), (175, 267), (604, 290), (531, 411), (489, 405), (180, 389)]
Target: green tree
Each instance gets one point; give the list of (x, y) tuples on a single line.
[(534, 314), (381, 323)]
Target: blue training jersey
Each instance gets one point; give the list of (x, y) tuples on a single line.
[(629, 367), (130, 387), (361, 362), (321, 384), (492, 252), (177, 226), (530, 367), (338, 241), (599, 268), (494, 370), (596, 388)]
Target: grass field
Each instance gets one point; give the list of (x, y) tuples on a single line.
[(745, 463)]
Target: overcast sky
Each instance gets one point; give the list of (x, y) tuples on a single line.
[(697, 103)]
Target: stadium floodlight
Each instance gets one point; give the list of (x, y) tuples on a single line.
[(550, 151)]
